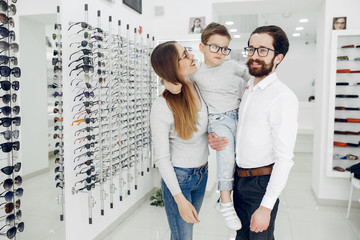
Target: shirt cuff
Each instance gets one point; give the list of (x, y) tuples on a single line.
[(268, 202)]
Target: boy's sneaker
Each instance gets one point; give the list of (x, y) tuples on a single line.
[(232, 221)]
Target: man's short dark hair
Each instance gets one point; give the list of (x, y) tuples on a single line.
[(280, 40)]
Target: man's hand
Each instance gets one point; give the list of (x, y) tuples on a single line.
[(174, 88), (186, 209), (217, 143), (260, 219)]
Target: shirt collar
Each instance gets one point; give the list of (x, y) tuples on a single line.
[(266, 81)]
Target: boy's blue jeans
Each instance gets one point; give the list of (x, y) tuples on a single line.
[(224, 125), (192, 182)]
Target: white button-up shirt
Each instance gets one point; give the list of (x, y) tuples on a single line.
[(267, 131)]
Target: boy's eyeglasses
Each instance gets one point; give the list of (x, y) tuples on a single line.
[(186, 55), (261, 51), (215, 49)]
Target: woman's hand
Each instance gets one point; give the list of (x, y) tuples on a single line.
[(174, 88), (186, 209), (217, 143)]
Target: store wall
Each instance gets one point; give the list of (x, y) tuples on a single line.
[(328, 188), (77, 205), (31, 19)]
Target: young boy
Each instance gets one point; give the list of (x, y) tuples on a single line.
[(221, 84)]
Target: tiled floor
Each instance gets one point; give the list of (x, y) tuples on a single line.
[(299, 216)]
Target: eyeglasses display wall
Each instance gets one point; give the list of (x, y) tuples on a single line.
[(112, 87), (11, 193), (344, 104), (57, 94)]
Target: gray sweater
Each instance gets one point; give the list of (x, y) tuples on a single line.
[(221, 86), (172, 151)]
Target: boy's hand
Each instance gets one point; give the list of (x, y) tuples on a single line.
[(217, 143), (174, 88)]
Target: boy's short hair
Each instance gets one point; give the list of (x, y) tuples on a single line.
[(212, 29)]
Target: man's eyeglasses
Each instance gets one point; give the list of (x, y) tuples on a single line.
[(186, 55), (261, 51), (215, 49)]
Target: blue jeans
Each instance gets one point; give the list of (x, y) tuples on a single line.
[(248, 194), (224, 125), (192, 182)]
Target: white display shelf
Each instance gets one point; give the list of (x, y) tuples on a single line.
[(339, 39)]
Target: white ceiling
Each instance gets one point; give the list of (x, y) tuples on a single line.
[(247, 15)]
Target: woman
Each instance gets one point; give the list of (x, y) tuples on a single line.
[(179, 135)]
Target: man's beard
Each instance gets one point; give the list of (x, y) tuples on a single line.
[(263, 71)]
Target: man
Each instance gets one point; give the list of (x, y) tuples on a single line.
[(266, 135)]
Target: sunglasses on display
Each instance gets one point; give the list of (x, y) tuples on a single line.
[(56, 52), (7, 97), (4, 46), (57, 94), (88, 154), (6, 85), (11, 232), (85, 94), (8, 134), (7, 110), (88, 179), (84, 25), (9, 183), (83, 43), (4, 7), (6, 122), (57, 26), (10, 219), (6, 33), (59, 169), (60, 184), (88, 163), (84, 51), (86, 61), (85, 120), (6, 20), (9, 207), (60, 177), (8, 146), (57, 136), (56, 110), (8, 170), (54, 61), (57, 119), (6, 59), (85, 68), (9, 195)]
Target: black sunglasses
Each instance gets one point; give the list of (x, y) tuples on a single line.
[(5, 59), (8, 146), (6, 85), (7, 97), (8, 170), (8, 134), (4, 32), (6, 122)]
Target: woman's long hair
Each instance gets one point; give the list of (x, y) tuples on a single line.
[(164, 60)]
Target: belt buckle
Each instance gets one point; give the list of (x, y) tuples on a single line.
[(250, 173)]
